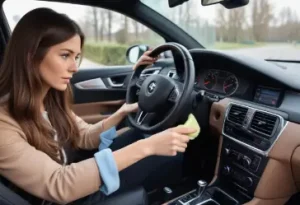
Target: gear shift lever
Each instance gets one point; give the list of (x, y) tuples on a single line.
[(201, 187), (200, 192)]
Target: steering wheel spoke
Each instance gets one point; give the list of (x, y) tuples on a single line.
[(140, 81), (144, 118)]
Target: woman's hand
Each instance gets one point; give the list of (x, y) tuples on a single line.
[(168, 142), (145, 59), (128, 108)]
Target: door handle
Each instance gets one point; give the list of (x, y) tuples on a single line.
[(116, 82)]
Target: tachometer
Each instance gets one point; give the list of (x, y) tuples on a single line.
[(210, 80), (230, 85)]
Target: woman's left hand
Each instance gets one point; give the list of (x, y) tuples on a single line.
[(145, 59), (128, 108)]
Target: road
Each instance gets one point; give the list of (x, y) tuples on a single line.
[(86, 63), (283, 51)]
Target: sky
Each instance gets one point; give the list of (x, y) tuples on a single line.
[(77, 12)]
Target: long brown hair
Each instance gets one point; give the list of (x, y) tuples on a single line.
[(31, 39)]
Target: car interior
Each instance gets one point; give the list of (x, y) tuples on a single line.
[(248, 150)]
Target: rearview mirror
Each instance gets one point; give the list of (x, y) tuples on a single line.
[(133, 53), (229, 4), (210, 2)]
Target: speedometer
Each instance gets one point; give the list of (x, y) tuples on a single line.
[(230, 85), (210, 80)]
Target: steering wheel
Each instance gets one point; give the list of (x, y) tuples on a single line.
[(159, 95)]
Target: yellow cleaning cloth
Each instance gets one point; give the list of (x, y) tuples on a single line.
[(192, 122)]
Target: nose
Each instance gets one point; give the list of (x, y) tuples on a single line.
[(73, 67)]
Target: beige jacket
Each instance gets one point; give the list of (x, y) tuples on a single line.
[(36, 173)]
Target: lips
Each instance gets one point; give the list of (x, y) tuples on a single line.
[(66, 80)]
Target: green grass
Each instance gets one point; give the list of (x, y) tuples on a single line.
[(229, 45)]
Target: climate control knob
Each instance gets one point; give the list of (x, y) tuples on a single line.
[(226, 170), (248, 182), (246, 162)]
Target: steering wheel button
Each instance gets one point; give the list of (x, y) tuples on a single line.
[(173, 95)]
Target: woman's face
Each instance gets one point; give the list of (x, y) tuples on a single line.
[(60, 63)]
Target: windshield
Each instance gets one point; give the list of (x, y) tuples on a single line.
[(268, 29)]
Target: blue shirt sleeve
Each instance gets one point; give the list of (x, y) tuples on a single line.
[(107, 137), (108, 171)]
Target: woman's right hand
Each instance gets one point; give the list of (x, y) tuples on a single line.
[(169, 142)]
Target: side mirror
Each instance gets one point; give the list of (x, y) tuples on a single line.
[(133, 53)]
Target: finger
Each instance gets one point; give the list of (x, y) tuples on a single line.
[(182, 145), (183, 130), (146, 63), (184, 138), (142, 63), (173, 153), (178, 149), (147, 58), (147, 53), (181, 138), (133, 105)]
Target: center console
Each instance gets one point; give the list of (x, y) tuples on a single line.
[(248, 136)]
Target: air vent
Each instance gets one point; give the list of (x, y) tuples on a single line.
[(237, 114), (172, 74), (264, 123)]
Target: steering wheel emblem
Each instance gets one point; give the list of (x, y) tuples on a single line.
[(151, 87)]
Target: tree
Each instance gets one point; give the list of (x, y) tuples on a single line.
[(126, 28), (122, 34), (95, 22), (236, 21), (230, 24), (261, 17), (136, 28), (102, 23), (109, 24), (221, 22)]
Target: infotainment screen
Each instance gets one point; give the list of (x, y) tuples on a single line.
[(267, 96)]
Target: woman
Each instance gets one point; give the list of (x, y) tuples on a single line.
[(37, 124)]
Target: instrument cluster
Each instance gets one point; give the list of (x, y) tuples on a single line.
[(219, 81)]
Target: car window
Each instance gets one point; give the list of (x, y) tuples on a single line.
[(263, 29), (108, 33)]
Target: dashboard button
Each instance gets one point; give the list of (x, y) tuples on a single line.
[(227, 151), (255, 163)]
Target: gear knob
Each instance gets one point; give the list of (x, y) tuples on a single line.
[(201, 187)]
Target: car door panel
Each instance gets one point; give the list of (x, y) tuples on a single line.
[(95, 111), (99, 92)]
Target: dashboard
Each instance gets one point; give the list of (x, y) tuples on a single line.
[(257, 114), (227, 76), (236, 77)]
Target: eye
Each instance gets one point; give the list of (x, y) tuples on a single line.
[(65, 56), (77, 58)]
